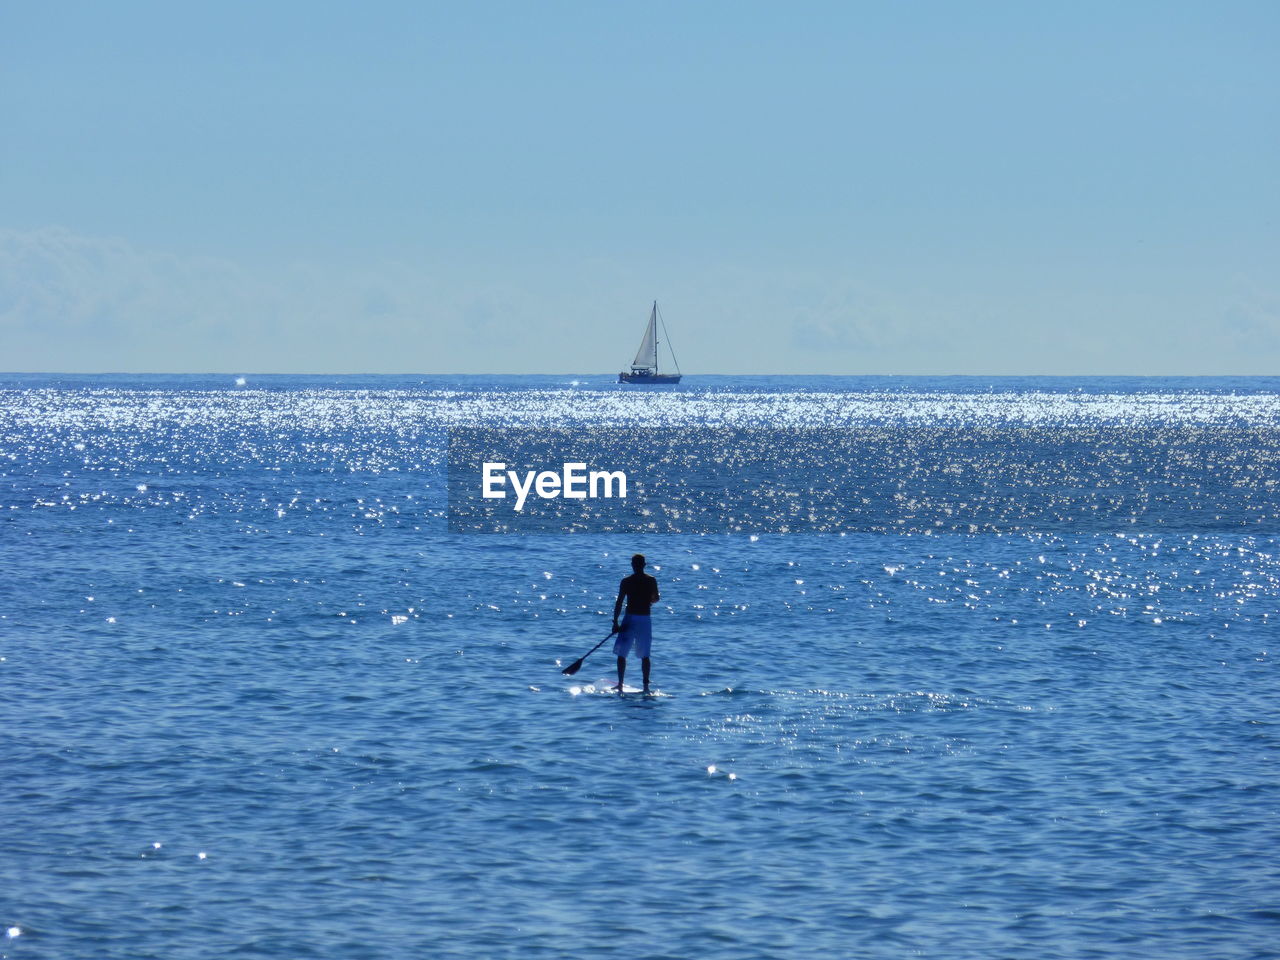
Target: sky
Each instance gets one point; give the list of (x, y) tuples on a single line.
[(805, 188)]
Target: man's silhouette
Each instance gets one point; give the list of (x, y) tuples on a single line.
[(640, 591)]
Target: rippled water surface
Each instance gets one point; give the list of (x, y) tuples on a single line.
[(257, 701)]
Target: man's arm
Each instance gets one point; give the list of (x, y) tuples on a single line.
[(655, 598), (617, 605)]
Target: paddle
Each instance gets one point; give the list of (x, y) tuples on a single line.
[(574, 667)]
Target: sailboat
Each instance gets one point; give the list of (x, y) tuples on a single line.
[(644, 368)]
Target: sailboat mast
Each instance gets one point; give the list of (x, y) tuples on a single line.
[(654, 320)]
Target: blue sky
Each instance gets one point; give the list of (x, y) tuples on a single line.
[(978, 188)]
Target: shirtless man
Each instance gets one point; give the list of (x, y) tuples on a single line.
[(640, 591)]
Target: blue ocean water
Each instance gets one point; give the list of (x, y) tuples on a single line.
[(257, 701)]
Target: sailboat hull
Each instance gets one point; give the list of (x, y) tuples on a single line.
[(648, 378)]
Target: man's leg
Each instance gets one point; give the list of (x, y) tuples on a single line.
[(644, 670), (622, 671)]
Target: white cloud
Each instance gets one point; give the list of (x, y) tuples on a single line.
[(848, 320), (74, 302), (58, 281), (1253, 323)]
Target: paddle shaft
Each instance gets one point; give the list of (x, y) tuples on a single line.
[(577, 664)]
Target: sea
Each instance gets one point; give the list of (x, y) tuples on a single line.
[(260, 697)]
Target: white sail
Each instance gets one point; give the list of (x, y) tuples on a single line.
[(647, 355)]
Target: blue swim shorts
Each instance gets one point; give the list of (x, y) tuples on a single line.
[(636, 630)]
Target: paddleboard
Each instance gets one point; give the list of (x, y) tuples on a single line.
[(609, 686)]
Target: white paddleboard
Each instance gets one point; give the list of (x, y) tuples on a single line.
[(609, 685)]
